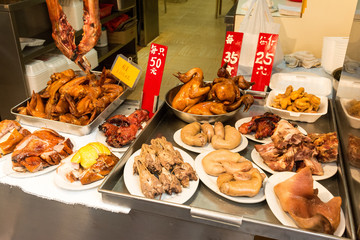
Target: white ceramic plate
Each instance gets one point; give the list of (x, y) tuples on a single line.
[(330, 169), (74, 186), (251, 136), (210, 182), (10, 172), (132, 182), (208, 147), (6, 157), (100, 137), (285, 218)]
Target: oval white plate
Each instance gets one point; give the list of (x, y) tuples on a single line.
[(100, 137), (210, 182), (251, 136), (6, 157), (285, 218), (330, 169), (10, 172), (132, 181), (208, 147), (74, 186)]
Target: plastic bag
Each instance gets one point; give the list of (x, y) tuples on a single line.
[(257, 20)]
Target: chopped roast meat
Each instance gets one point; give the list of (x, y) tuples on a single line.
[(184, 172), (11, 133), (42, 148), (150, 185), (327, 146), (290, 148), (286, 134)]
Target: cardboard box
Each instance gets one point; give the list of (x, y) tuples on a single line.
[(123, 37)]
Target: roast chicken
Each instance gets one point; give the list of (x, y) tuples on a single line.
[(193, 90), (11, 133), (218, 97), (298, 198), (43, 148)]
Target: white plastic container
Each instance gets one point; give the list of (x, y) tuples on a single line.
[(353, 121), (73, 10), (91, 56), (54, 62), (333, 53), (37, 75), (313, 84)]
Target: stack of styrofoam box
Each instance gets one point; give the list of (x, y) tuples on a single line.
[(37, 75), (55, 62), (333, 53)]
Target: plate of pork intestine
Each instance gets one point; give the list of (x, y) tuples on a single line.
[(211, 182), (251, 135), (284, 217), (132, 180), (208, 146)]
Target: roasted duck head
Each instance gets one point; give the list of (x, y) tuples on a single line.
[(64, 34), (193, 90), (43, 148), (298, 198)]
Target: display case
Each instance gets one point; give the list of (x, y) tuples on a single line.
[(29, 18)]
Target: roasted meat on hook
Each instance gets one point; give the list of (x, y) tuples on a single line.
[(64, 34)]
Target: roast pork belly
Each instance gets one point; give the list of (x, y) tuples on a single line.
[(298, 198), (42, 148)]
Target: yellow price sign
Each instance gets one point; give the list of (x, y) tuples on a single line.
[(125, 70)]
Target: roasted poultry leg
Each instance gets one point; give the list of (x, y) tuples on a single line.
[(64, 34)]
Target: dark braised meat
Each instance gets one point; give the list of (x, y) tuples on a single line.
[(262, 125), (120, 130)]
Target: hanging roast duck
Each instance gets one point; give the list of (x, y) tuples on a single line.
[(64, 34)]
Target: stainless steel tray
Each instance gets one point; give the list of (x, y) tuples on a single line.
[(207, 207), (67, 127)]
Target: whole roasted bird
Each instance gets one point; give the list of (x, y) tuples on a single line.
[(64, 34)]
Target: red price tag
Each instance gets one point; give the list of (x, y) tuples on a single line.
[(153, 77), (264, 60), (232, 50)]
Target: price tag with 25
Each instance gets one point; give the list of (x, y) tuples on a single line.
[(264, 60)]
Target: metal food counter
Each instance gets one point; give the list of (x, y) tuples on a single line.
[(205, 215)]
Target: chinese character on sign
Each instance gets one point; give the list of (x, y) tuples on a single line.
[(229, 39), (264, 59), (153, 77), (153, 49), (231, 54)]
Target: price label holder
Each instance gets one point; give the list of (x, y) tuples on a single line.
[(264, 60), (126, 71), (153, 78), (231, 54)]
